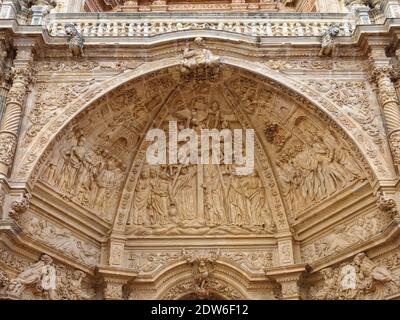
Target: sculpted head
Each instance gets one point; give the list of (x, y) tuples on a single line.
[(153, 172)]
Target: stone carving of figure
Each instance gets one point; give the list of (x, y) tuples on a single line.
[(373, 278), (73, 161), (328, 291), (160, 197), (316, 169), (85, 177), (141, 199), (238, 206), (199, 62), (75, 40), (213, 198), (255, 199), (182, 193), (42, 276), (328, 42), (108, 181)]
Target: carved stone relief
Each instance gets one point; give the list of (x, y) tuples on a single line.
[(88, 166), (149, 262), (59, 238), (46, 280), (345, 235), (314, 65), (354, 98), (49, 100), (310, 164), (361, 278)]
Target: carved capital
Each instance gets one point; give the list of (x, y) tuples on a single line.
[(7, 148), (288, 278), (379, 73), (113, 288)]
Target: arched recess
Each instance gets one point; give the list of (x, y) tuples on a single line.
[(223, 280), (268, 134), (36, 153)]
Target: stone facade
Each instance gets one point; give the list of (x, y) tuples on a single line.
[(83, 216)]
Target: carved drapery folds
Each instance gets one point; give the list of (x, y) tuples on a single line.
[(381, 76), (21, 78)]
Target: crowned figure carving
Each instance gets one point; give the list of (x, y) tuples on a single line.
[(198, 62)]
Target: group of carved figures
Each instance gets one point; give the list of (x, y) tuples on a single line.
[(316, 171), (87, 176), (45, 281), (168, 195), (361, 279)]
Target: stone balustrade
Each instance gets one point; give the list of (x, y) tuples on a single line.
[(133, 25)]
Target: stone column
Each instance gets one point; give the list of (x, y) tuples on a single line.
[(288, 278), (113, 288), (380, 74), (114, 281), (21, 74)]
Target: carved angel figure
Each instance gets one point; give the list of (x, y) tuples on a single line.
[(199, 61), (328, 43), (42, 275)]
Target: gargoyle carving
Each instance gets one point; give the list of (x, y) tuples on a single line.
[(19, 207), (328, 42), (75, 40), (387, 205)]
